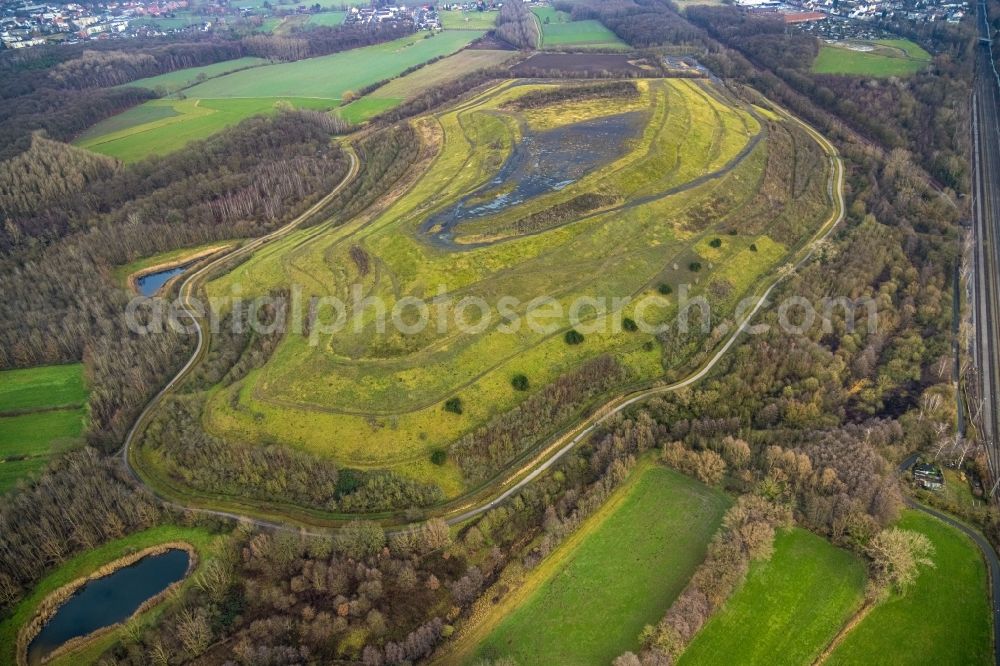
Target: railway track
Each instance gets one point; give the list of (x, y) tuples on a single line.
[(986, 214)]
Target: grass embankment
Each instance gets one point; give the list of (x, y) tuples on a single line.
[(789, 608), (371, 399), (85, 564), (881, 58), (589, 600), (164, 125), (559, 30), (944, 618), (42, 412)]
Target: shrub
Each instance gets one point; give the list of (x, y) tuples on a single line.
[(573, 337), (665, 289), (694, 266), (453, 405), (753, 247), (629, 325), (520, 382), (439, 456), (715, 242)]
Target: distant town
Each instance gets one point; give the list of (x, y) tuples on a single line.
[(24, 23), (921, 11)]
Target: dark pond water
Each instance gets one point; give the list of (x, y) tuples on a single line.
[(150, 283), (542, 162), (109, 600)]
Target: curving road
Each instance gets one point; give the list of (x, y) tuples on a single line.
[(184, 294), (477, 502)]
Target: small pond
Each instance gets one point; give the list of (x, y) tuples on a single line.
[(150, 283), (109, 600), (541, 162)]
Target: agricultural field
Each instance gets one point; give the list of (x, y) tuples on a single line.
[(403, 88), (162, 126), (42, 412), (173, 81), (629, 562), (459, 19), (789, 608), (889, 57), (329, 77), (943, 619), (141, 131), (559, 30), (327, 18), (672, 185)]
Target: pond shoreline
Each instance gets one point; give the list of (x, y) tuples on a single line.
[(48, 607), (133, 278)]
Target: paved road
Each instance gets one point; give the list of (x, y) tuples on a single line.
[(462, 509), (989, 554), (986, 214)]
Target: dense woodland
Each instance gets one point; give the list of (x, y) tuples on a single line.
[(82, 501), (517, 26), (62, 303), (803, 428)]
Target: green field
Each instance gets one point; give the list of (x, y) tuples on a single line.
[(86, 563), (890, 57), (462, 20), (788, 610), (944, 618), (402, 88), (329, 77), (164, 125), (131, 136), (182, 78), (362, 109), (327, 18), (42, 387), (42, 412), (593, 601), (30, 434), (559, 30)]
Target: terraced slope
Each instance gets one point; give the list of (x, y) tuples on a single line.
[(526, 193)]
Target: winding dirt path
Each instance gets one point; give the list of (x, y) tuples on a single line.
[(493, 493)]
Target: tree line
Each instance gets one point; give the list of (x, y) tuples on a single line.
[(485, 451), (517, 26)]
